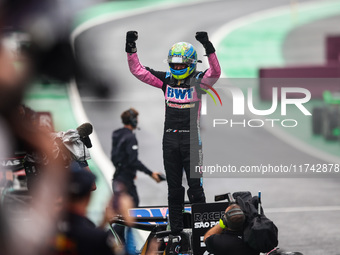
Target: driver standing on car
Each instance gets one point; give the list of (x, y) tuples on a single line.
[(182, 87), (226, 238)]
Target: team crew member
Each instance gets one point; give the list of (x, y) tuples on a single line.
[(226, 238), (124, 156), (182, 87)]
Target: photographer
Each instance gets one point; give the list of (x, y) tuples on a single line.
[(226, 238)]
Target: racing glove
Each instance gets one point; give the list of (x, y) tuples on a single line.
[(202, 37), (131, 38)]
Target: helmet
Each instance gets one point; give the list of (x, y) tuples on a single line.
[(182, 53)]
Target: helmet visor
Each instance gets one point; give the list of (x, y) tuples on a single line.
[(181, 60)]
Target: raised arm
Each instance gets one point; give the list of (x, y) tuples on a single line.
[(214, 72), (136, 68)]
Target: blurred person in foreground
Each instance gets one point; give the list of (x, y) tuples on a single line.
[(76, 234), (25, 236), (182, 87), (226, 238), (52, 56)]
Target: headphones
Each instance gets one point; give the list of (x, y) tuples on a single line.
[(133, 118), (225, 221)]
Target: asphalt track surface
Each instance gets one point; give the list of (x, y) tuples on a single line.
[(306, 210)]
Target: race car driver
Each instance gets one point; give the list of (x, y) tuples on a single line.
[(182, 86)]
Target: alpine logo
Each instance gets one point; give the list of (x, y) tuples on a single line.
[(179, 93)]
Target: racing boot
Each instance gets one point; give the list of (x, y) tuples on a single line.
[(196, 195), (173, 246), (185, 243), (178, 244)]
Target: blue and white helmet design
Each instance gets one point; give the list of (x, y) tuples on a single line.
[(182, 53)]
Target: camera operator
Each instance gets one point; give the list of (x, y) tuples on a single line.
[(68, 146), (226, 238)]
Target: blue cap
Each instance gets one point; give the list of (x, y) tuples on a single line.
[(80, 181)]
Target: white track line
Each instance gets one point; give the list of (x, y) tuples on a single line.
[(229, 27), (128, 13), (97, 152)]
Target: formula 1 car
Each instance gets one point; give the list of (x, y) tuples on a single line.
[(151, 223)]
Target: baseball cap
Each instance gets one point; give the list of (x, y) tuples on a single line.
[(80, 180)]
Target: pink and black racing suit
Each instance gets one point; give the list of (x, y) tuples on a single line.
[(182, 146)]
